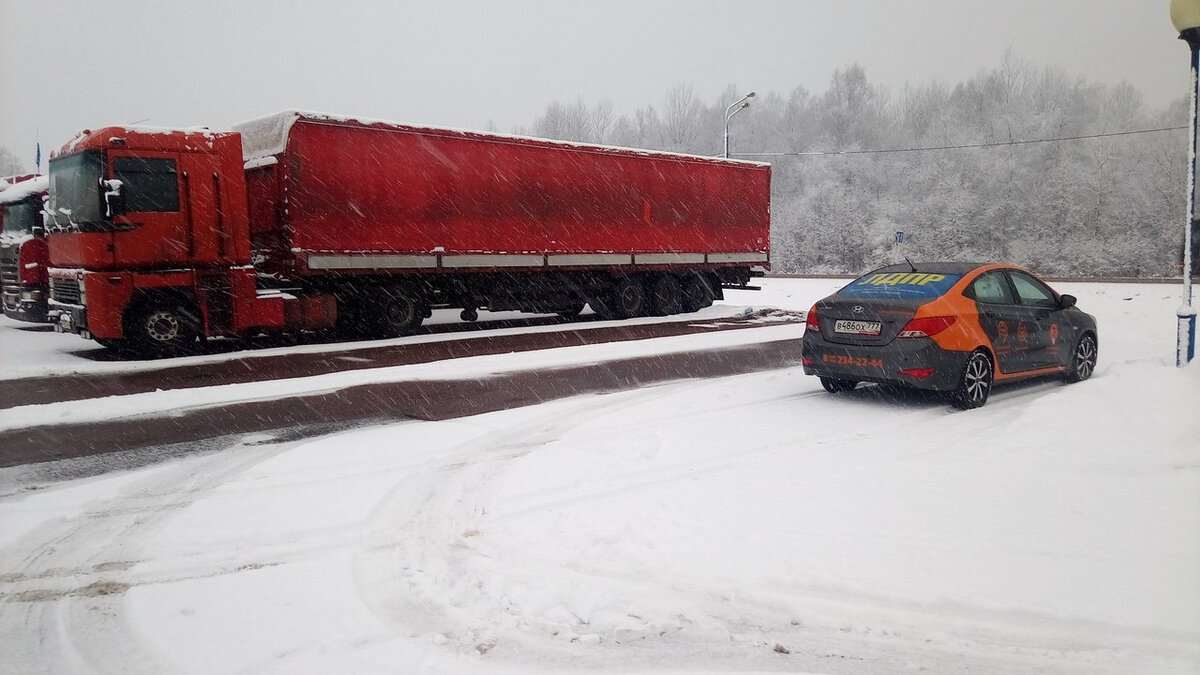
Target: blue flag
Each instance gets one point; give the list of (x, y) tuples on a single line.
[(38, 161)]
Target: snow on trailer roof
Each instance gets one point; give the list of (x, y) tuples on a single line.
[(24, 189), (267, 136)]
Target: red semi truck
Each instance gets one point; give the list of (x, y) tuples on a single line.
[(24, 255), (305, 221)]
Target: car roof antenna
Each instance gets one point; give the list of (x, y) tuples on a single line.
[(914, 267)]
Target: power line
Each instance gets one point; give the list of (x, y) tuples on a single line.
[(954, 147)]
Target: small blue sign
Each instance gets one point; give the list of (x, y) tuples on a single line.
[(899, 237)]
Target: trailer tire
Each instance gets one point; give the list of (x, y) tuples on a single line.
[(399, 312), (666, 295), (697, 294), (161, 328), (629, 298)]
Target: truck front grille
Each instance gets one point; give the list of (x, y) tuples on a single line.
[(65, 291), (9, 274)]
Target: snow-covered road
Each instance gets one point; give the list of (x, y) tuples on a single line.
[(748, 523)]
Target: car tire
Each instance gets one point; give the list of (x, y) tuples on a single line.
[(1083, 359), (836, 386), (975, 383)]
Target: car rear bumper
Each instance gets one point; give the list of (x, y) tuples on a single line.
[(898, 362)]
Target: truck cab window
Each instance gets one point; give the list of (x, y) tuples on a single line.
[(147, 184)]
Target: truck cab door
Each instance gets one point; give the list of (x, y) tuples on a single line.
[(149, 219), (203, 192)]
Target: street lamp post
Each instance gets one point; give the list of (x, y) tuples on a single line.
[(1185, 14), (735, 108)]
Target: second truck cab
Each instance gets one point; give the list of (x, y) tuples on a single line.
[(24, 255)]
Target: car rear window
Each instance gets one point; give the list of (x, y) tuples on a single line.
[(900, 285)]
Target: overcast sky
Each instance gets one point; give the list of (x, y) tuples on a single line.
[(73, 64)]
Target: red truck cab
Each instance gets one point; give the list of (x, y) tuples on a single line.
[(24, 255), (149, 238)]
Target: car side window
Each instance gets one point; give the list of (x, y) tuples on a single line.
[(1032, 292), (992, 289)]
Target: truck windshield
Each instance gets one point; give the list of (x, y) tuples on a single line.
[(21, 218), (75, 196)]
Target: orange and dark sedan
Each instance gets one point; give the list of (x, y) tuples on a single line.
[(949, 327)]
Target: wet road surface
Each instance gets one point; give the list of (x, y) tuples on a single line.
[(315, 414), (340, 358)]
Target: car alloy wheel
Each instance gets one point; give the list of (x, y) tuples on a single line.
[(1083, 363), (975, 384)]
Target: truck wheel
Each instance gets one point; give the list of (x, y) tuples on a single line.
[(399, 313), (696, 294), (628, 298), (160, 329), (666, 296)]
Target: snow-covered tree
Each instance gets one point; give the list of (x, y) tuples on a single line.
[(10, 164)]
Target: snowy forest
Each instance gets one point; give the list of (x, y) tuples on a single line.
[(1028, 190)]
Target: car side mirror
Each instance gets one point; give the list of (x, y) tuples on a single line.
[(1066, 301)]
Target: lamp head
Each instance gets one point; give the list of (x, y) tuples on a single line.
[(1185, 14)]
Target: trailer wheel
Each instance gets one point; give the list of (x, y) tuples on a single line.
[(666, 295), (629, 298), (697, 294), (398, 313), (162, 328)]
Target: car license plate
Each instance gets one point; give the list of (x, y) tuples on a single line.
[(857, 327)]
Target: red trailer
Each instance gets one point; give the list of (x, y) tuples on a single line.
[(303, 221), (24, 255)]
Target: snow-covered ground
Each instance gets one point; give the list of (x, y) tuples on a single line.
[(748, 523)]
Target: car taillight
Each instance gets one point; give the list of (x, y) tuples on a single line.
[(810, 320), (926, 326)]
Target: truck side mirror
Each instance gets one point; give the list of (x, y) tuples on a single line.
[(114, 200)]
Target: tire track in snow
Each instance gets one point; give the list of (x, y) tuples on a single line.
[(68, 588), (418, 581)]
